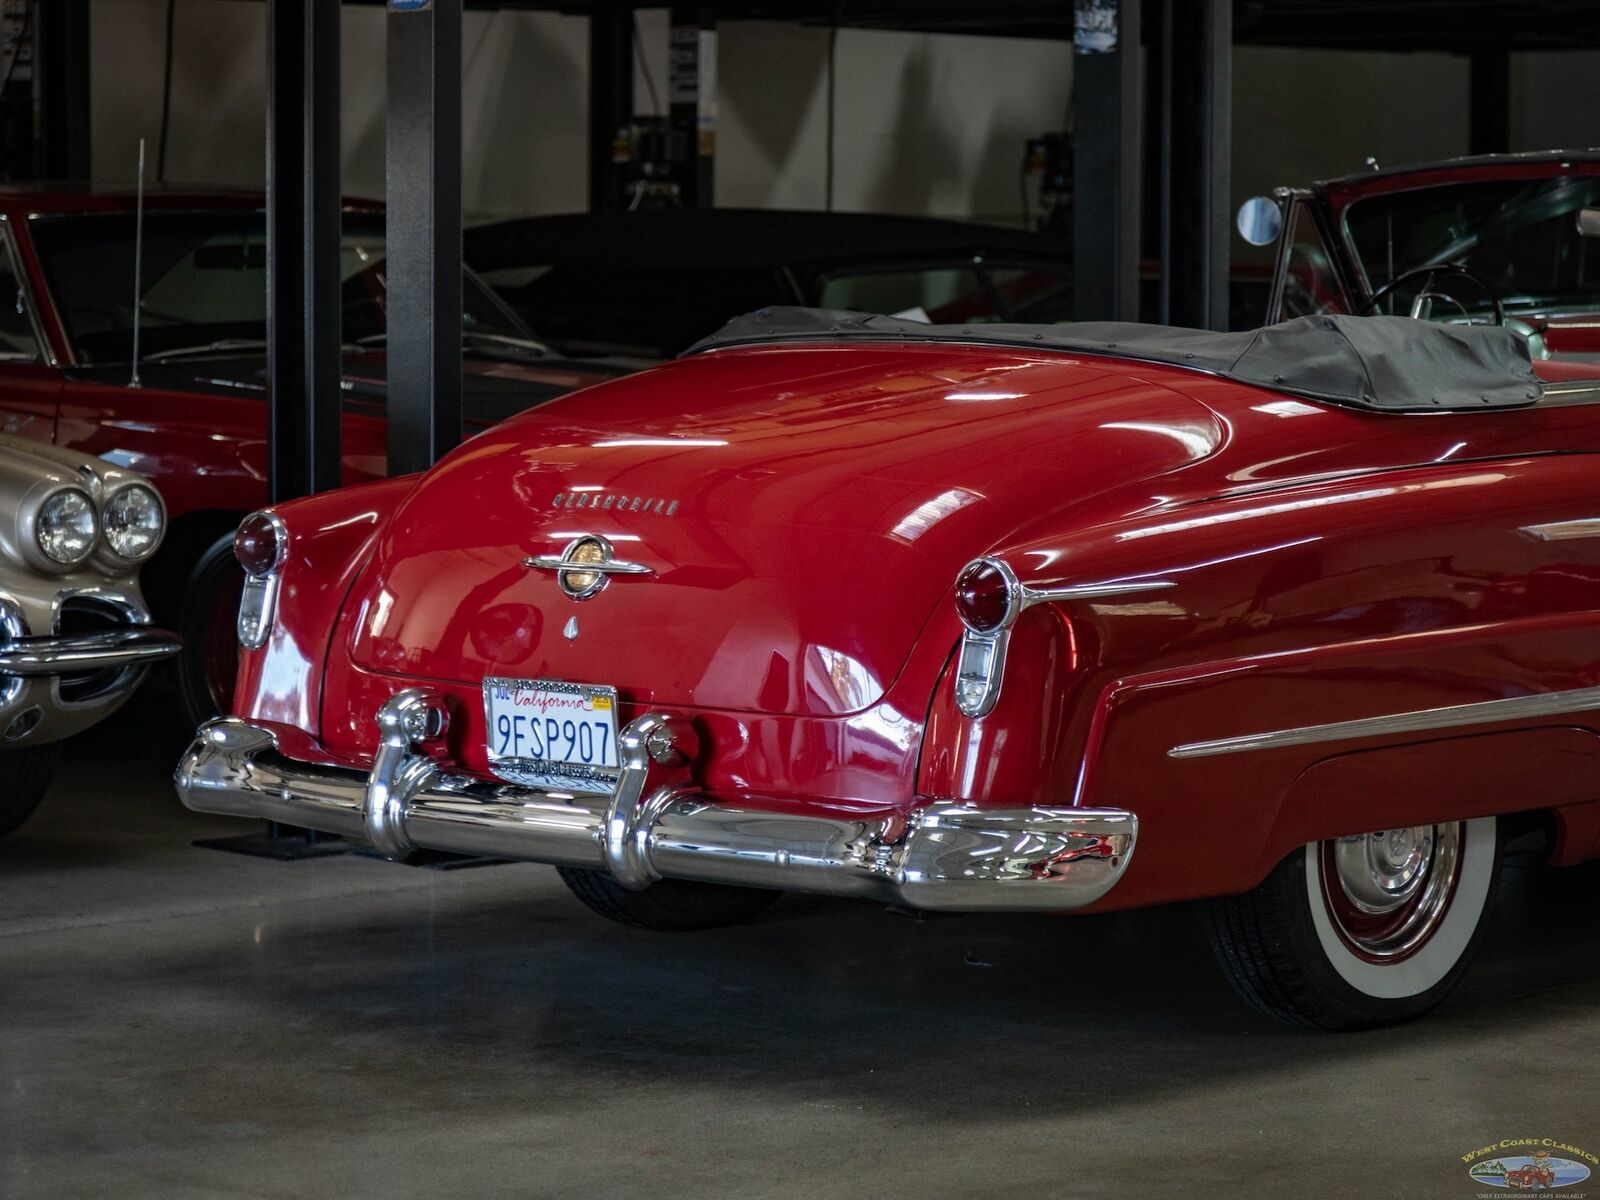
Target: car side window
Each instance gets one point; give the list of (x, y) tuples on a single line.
[(1311, 285), (17, 340)]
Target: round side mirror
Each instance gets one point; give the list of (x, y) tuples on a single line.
[(1260, 220)]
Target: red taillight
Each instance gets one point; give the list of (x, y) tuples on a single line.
[(260, 544), (986, 595)]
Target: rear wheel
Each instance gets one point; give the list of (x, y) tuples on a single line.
[(1361, 931), (25, 776), (206, 620), (667, 904)]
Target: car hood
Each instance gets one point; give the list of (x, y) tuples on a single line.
[(801, 513)]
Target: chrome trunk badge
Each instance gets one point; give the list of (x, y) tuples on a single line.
[(570, 629), (586, 565)]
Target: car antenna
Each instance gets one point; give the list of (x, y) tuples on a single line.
[(138, 264)]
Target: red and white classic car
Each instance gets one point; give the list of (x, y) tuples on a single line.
[(1070, 618), (1513, 238)]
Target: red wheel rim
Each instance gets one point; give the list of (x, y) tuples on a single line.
[(1387, 893)]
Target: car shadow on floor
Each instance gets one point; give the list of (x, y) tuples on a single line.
[(984, 1016)]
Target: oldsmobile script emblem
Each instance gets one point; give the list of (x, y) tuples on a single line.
[(585, 566), (616, 502)]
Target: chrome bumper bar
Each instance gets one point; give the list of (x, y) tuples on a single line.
[(943, 856), (134, 647)]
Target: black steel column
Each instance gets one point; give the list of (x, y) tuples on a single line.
[(61, 60), (424, 232), (692, 91), (1489, 91), (303, 202), (610, 102), (1105, 139), (1198, 199), (1155, 208)]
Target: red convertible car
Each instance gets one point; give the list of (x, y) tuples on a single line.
[(1531, 1177), (196, 424), (1035, 618), (1510, 238)]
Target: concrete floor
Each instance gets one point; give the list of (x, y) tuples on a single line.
[(177, 1022)]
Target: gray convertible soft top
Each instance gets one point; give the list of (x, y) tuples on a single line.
[(1388, 364)]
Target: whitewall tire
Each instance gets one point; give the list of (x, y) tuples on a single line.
[(1362, 931)]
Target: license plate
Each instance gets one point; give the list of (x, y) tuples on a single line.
[(550, 734)]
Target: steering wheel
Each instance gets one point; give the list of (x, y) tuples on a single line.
[(1428, 275)]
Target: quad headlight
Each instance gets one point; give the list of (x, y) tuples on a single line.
[(67, 526), (134, 519)]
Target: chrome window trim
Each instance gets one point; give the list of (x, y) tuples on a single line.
[(1569, 395), (1298, 203), (1483, 712), (46, 356)]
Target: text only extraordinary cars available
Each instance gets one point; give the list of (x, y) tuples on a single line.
[(1300, 621)]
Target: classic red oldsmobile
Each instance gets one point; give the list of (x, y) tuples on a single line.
[(194, 416), (1059, 618)]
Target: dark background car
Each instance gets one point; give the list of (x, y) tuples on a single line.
[(652, 282)]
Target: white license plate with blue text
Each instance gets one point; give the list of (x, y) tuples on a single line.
[(551, 734)]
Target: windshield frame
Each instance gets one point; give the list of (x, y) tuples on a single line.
[(1339, 207)]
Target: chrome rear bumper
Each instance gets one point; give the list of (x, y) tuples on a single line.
[(943, 856)]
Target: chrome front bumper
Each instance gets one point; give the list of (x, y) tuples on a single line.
[(943, 856), (135, 647)]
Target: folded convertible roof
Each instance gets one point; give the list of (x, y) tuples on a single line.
[(1387, 364)]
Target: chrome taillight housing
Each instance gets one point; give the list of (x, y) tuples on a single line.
[(989, 599), (262, 546)]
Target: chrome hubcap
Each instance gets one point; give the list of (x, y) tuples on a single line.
[(1388, 891), (1381, 871)]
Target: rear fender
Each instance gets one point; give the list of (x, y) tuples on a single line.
[(1011, 758), (1449, 779), (330, 537)]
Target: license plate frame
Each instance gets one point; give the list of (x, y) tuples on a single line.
[(586, 701)]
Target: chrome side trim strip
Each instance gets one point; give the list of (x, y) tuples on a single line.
[(1485, 712), (1564, 531), (1092, 591)]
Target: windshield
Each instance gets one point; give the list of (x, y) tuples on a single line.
[(1520, 235), (205, 283)]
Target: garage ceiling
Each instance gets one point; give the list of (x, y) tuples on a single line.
[(1440, 25)]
